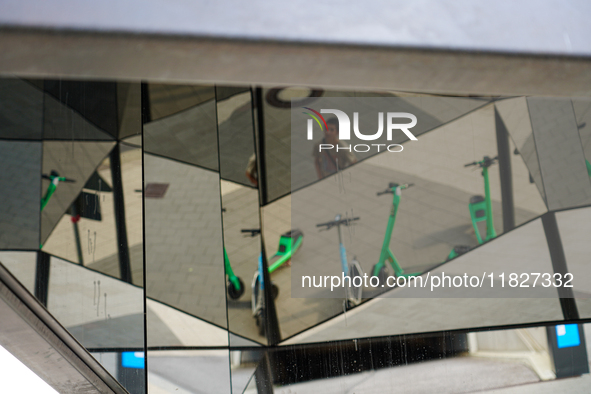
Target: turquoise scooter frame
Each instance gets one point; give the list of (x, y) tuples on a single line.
[(352, 293), (481, 206)]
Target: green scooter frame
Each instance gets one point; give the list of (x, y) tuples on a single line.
[(235, 284), (54, 179), (481, 207), (289, 243), (386, 255)]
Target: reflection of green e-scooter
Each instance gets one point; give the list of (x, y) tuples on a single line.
[(54, 180), (235, 284), (380, 269), (481, 207)]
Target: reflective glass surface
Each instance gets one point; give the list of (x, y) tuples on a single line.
[(182, 124), (20, 164), (21, 110), (189, 371), (100, 177), (574, 229), (22, 266), (236, 135), (99, 311), (562, 161), (184, 260), (243, 250), (83, 215)]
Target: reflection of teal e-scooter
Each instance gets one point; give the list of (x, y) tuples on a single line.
[(481, 207), (380, 269), (353, 270), (289, 243)]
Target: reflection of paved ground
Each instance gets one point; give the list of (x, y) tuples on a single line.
[(99, 310), (184, 260), (19, 215)]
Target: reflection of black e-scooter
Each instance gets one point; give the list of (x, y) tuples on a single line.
[(352, 270)]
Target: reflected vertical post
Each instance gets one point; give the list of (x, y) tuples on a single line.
[(271, 321), (119, 205), (42, 277), (262, 375), (504, 154), (565, 294)]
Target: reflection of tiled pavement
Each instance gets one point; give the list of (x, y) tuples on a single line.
[(20, 163), (184, 261)]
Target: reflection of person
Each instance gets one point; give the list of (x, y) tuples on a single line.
[(328, 161), (251, 170)]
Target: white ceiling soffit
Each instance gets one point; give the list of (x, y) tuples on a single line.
[(478, 47)]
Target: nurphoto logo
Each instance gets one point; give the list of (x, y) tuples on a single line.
[(343, 127)]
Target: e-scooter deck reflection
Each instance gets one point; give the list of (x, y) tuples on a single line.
[(353, 270)]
